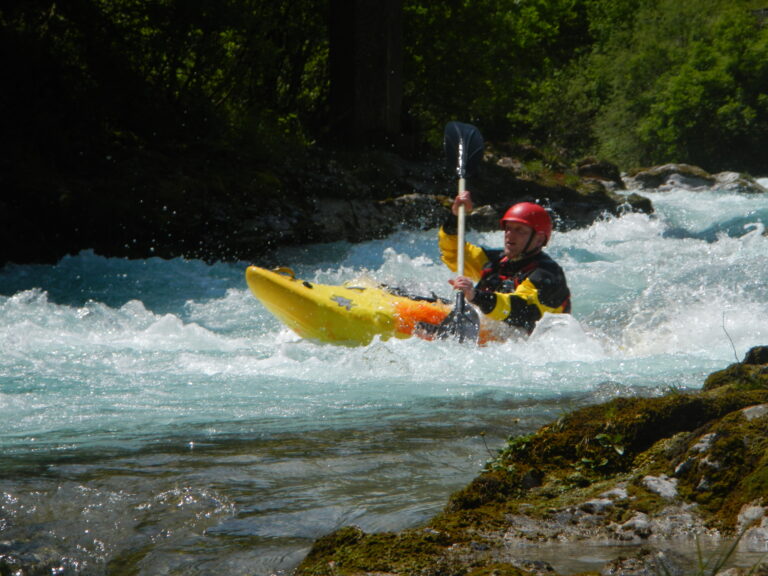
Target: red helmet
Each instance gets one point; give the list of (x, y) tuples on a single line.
[(531, 215)]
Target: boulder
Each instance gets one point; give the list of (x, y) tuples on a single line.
[(737, 182), (757, 355), (673, 175), (691, 177), (602, 170)]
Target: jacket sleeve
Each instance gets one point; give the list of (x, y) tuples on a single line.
[(474, 256)]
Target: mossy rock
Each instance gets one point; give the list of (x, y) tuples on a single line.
[(750, 374), (504, 569), (350, 551), (708, 448), (726, 466), (658, 175)]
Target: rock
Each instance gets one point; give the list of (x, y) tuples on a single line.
[(617, 493), (757, 570), (510, 164), (343, 219), (639, 526), (634, 203), (594, 169), (757, 356), (755, 539), (749, 515), (673, 175), (736, 182), (535, 567), (414, 211), (661, 485), (750, 373), (704, 443), (596, 506), (685, 466), (752, 522), (679, 523), (648, 562), (755, 412), (692, 178), (231, 210), (484, 218)]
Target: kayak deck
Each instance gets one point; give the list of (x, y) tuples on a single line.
[(351, 314)]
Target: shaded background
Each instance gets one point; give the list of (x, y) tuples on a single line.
[(141, 128)]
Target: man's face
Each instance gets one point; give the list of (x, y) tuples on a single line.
[(516, 237)]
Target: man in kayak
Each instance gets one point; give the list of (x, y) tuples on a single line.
[(517, 284)]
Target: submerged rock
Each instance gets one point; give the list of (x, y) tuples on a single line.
[(633, 471)]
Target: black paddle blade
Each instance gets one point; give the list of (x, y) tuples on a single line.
[(463, 147), (462, 324)]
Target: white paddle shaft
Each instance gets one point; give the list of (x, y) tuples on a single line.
[(460, 263)]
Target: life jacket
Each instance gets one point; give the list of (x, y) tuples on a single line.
[(503, 275)]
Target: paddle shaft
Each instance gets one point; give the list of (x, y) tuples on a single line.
[(462, 231), (460, 260)]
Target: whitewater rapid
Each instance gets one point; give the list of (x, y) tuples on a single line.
[(161, 393)]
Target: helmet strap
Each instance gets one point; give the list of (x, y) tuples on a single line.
[(525, 252)]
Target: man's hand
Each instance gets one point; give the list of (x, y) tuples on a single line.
[(465, 285), (464, 198)]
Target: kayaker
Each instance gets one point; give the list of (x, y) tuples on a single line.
[(518, 283)]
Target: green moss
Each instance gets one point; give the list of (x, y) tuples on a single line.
[(740, 376), (755, 484), (493, 486), (327, 545), (587, 187), (723, 467), (497, 570), (351, 551)]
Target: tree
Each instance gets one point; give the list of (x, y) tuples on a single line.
[(366, 69), (687, 85)]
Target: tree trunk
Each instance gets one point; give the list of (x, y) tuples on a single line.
[(366, 68)]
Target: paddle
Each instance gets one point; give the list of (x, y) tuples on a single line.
[(463, 145)]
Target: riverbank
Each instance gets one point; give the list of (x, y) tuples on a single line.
[(640, 476), (223, 205), (228, 207)]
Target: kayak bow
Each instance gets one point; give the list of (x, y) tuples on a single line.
[(351, 314)]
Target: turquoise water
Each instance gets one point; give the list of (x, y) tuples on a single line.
[(154, 416)]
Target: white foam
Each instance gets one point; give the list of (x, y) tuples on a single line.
[(116, 345)]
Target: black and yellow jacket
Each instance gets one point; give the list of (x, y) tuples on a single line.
[(517, 292)]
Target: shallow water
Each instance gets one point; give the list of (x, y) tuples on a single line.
[(154, 417)]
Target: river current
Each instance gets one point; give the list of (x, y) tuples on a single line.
[(156, 419)]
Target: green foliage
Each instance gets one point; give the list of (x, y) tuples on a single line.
[(478, 60), (169, 72), (636, 81), (685, 84), (563, 107)]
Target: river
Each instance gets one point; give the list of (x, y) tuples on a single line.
[(156, 419)]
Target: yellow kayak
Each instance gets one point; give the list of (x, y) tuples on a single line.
[(350, 314)]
